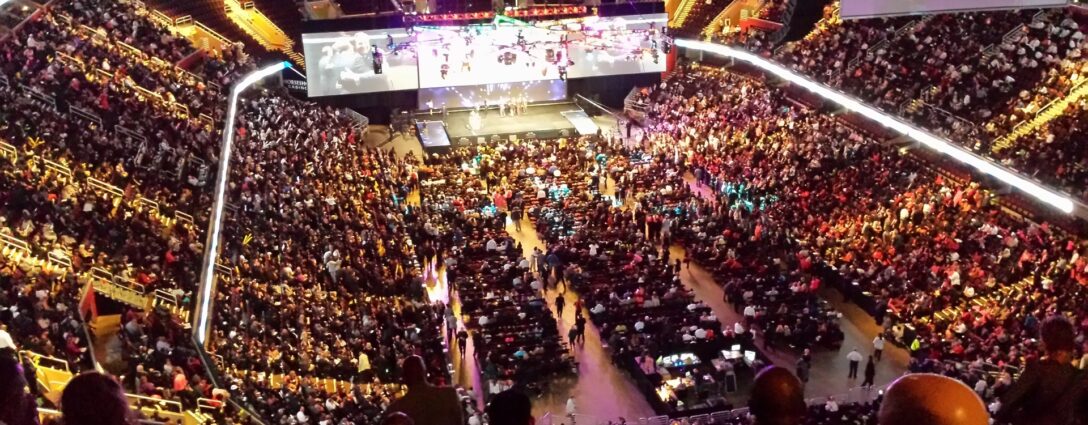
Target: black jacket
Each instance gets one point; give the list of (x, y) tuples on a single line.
[(1048, 393)]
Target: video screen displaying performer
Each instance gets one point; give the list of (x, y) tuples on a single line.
[(359, 62)]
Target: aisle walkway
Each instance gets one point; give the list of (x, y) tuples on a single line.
[(602, 391)]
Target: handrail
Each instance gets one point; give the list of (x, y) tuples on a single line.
[(599, 106), (1012, 34), (1059, 99), (59, 364), (214, 34), (216, 379), (139, 402)]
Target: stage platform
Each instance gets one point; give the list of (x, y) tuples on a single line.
[(543, 121)]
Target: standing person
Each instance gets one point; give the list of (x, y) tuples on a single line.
[(515, 216), (803, 371), (855, 359), (878, 346), (1050, 391), (570, 407), (537, 261), (553, 264), (580, 323), (870, 373), (425, 403), (560, 302), (462, 341), (451, 323)]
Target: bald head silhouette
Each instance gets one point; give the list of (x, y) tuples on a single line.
[(415, 371), (926, 398), (778, 398)]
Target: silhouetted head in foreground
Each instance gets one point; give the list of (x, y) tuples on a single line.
[(93, 398), (415, 371), (1058, 335), (510, 407), (16, 404), (925, 398), (778, 398), (397, 418)]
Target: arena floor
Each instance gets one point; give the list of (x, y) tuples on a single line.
[(602, 392)]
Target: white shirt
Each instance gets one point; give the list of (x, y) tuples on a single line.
[(854, 356), (6, 341), (749, 311), (878, 344)]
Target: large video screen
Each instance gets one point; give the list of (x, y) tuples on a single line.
[(872, 8), (506, 51), (359, 62)]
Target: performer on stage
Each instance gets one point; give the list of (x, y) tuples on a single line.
[(474, 120), (377, 55)]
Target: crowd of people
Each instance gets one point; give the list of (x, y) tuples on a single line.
[(971, 77), (327, 256), (468, 197), (129, 118)]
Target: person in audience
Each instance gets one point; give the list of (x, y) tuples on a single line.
[(924, 398), (778, 398), (93, 398), (510, 407), (17, 404), (1051, 391), (397, 418), (425, 403)]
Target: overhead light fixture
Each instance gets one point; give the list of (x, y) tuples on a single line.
[(1058, 200)]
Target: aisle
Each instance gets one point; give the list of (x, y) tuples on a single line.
[(828, 375), (602, 392)]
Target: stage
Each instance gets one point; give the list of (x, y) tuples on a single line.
[(549, 120)]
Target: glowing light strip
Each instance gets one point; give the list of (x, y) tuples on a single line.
[(211, 247), (1055, 199)]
